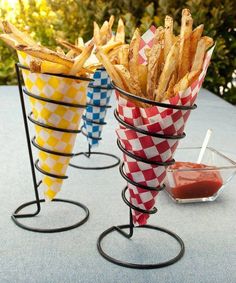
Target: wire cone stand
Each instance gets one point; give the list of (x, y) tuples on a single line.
[(90, 153), (120, 228), (16, 216)]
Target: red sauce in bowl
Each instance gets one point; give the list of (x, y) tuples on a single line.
[(196, 183)]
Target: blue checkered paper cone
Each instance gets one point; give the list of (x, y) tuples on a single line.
[(94, 116)]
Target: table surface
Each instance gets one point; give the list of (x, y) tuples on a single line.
[(208, 229)]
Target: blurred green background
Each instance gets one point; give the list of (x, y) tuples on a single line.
[(47, 20)]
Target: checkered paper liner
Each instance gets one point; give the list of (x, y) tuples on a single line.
[(156, 119), (64, 117), (94, 116)]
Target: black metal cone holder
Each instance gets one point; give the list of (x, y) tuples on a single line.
[(90, 152), (16, 214), (130, 226)]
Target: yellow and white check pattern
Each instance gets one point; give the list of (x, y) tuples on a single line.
[(60, 89)]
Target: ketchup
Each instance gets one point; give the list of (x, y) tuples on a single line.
[(194, 184)]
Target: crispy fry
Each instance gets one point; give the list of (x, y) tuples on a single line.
[(60, 50), (110, 24), (153, 62), (142, 74), (208, 41), (109, 67), (9, 28), (186, 81), (195, 37), (133, 60), (184, 52), (168, 41), (47, 55), (170, 90), (80, 42), (68, 45), (104, 34), (96, 34), (120, 33), (80, 60), (123, 55), (111, 45), (169, 68), (10, 40), (39, 66)]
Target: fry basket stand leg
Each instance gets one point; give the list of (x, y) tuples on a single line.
[(120, 228), (16, 214)]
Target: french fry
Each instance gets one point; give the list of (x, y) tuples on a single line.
[(60, 50), (8, 28), (169, 68), (96, 34), (184, 52), (153, 62), (170, 90), (68, 45), (102, 57), (120, 33), (110, 45), (123, 55), (110, 24), (80, 42), (47, 55), (80, 59), (186, 81), (142, 73), (104, 34), (195, 37), (10, 40), (133, 60), (168, 37), (39, 66)]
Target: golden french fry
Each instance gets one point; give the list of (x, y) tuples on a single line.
[(204, 43), (71, 54), (113, 55), (169, 67), (123, 55), (9, 28), (170, 90), (142, 73), (128, 83), (133, 60), (110, 45), (68, 45), (45, 54), (168, 37), (186, 81), (96, 34), (184, 49), (195, 37), (80, 42), (120, 33), (60, 50), (81, 59), (153, 63), (104, 34), (103, 58), (39, 66), (11, 40), (110, 24)]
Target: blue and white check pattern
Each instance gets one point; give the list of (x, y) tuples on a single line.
[(96, 96)]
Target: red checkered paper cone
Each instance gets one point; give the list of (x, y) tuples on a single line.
[(161, 120), (59, 116)]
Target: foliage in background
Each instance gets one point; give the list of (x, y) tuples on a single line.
[(50, 19)]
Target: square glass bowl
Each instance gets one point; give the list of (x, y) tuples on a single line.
[(185, 185)]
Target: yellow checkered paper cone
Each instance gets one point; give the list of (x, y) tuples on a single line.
[(64, 117)]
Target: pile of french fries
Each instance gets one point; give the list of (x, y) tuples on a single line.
[(173, 62), (76, 61)]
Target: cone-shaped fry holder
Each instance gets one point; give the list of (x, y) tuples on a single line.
[(130, 227), (99, 87), (16, 214)]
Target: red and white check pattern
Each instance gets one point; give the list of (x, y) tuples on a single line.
[(159, 120)]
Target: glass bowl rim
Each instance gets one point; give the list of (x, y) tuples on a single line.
[(233, 166)]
